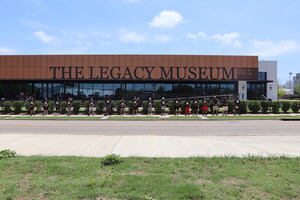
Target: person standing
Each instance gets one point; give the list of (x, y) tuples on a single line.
[(57, 106), (215, 102), (135, 106), (69, 106), (122, 107), (108, 107), (91, 107), (187, 107), (150, 106), (237, 108), (46, 107), (176, 104), (195, 107), (225, 106), (204, 106), (163, 106), (32, 106)]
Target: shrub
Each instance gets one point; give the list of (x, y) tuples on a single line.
[(157, 107), (51, 106), (76, 107), (38, 105), (295, 106), (111, 159), (86, 105), (230, 106), (17, 105), (286, 105), (171, 106), (100, 107), (63, 107), (130, 106), (7, 153), (145, 107), (243, 107), (7, 107), (254, 106), (265, 106), (275, 106)]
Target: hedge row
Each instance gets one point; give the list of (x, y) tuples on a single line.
[(245, 106)]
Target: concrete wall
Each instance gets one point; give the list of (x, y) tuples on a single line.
[(271, 68)]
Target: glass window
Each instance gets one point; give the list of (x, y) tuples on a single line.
[(213, 89), (50, 90), (149, 87), (58, 89), (118, 91), (226, 88), (98, 90), (86, 90), (38, 90)]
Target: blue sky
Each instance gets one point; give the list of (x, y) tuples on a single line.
[(269, 29)]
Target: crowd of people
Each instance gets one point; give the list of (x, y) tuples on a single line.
[(192, 106)]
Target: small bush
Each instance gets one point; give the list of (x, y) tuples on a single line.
[(17, 105), (7, 107), (112, 159), (86, 107), (171, 106), (286, 105), (100, 107), (51, 106), (254, 106), (63, 107), (295, 106), (38, 105), (230, 106), (243, 107), (265, 106), (7, 154), (275, 106), (76, 107), (130, 106), (145, 107), (157, 107)]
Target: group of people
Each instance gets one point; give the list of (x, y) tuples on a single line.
[(194, 106)]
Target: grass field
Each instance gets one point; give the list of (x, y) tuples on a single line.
[(56, 117), (150, 178), (251, 117), (184, 117), (133, 117)]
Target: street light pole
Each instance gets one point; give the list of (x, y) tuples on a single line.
[(290, 83)]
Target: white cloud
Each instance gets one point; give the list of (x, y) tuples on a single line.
[(132, 37), (269, 49), (162, 38), (200, 35), (44, 37), (228, 39), (166, 19), (4, 50)]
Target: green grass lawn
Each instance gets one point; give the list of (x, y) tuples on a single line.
[(133, 117), (150, 178), (250, 117), (184, 117), (5, 116), (56, 117)]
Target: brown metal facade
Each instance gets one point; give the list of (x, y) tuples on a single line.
[(123, 67)]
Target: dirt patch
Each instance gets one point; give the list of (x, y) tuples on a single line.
[(203, 180), (232, 180), (139, 173)]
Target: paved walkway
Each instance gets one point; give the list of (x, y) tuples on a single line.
[(150, 146)]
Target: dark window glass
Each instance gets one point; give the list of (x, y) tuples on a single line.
[(226, 89), (38, 90), (98, 90), (213, 89)]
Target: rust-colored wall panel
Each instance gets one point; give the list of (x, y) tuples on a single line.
[(38, 67)]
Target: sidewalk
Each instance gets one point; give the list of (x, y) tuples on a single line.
[(150, 146)]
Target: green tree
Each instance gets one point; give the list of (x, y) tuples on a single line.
[(280, 91), (297, 89)]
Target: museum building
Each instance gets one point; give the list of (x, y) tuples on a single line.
[(126, 76)]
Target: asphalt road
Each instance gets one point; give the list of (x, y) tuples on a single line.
[(161, 128)]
